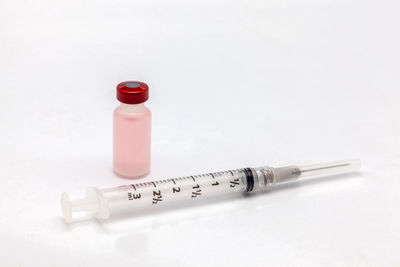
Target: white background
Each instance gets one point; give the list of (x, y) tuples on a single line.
[(232, 84)]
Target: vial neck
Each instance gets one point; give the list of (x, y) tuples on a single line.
[(132, 107)]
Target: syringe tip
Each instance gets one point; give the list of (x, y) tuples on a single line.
[(326, 168)]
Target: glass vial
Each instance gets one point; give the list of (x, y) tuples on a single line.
[(132, 131)]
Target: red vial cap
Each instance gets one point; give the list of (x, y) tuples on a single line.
[(132, 92)]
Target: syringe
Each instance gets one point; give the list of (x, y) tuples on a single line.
[(101, 203)]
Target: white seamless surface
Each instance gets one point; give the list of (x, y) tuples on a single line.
[(232, 84)]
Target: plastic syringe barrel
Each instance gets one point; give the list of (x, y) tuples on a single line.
[(101, 203)]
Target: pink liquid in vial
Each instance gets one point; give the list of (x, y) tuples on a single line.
[(132, 140), (132, 130)]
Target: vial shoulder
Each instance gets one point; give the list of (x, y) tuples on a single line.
[(132, 111)]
